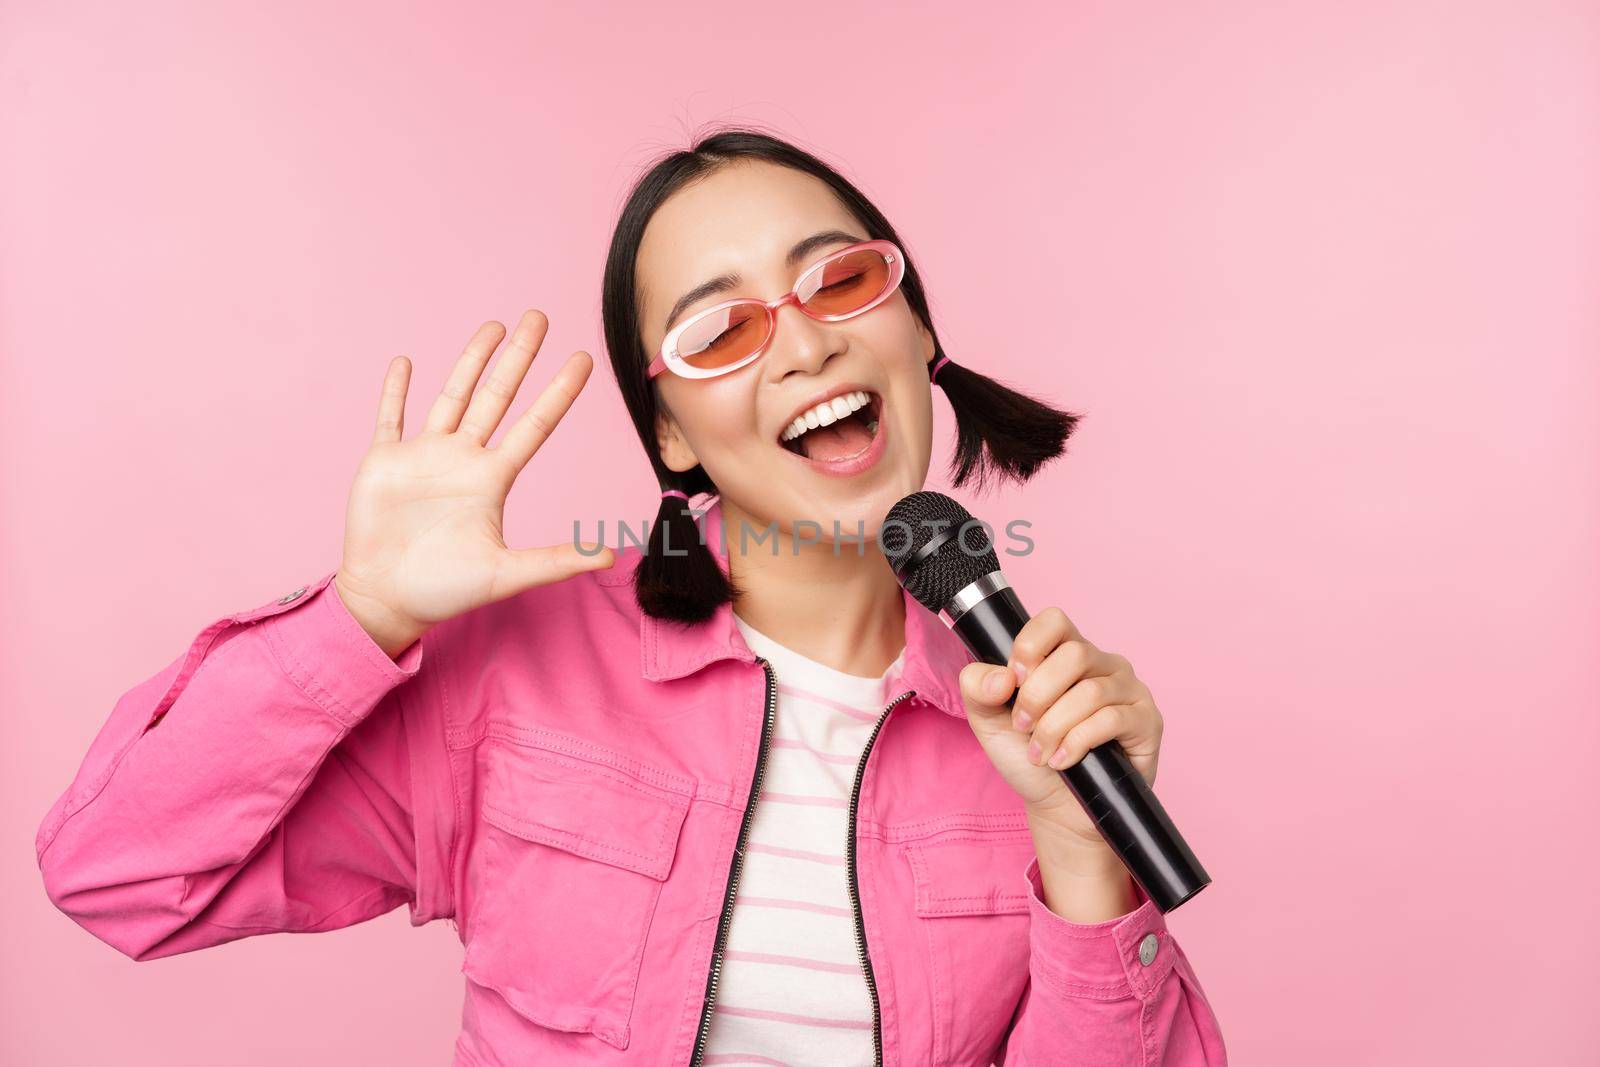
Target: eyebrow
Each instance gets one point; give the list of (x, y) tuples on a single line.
[(723, 282)]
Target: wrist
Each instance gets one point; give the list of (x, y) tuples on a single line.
[(388, 630), (1064, 828), (1083, 880), (1084, 887), (1069, 849)]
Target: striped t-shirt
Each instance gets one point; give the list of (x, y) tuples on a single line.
[(792, 990)]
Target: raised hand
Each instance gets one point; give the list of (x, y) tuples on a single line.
[(423, 535)]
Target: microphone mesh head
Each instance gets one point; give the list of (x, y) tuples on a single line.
[(964, 558)]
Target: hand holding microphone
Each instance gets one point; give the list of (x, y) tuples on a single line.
[(1055, 737), (1058, 697)]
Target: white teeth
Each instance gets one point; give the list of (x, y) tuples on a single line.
[(825, 413)]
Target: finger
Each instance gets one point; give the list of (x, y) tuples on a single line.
[(1067, 663), (1075, 706), (535, 426), (493, 397), (445, 414), (392, 403), (1121, 723), (1038, 638), (985, 686), (529, 567)]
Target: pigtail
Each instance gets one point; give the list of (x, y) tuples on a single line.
[(678, 578), (1000, 433)]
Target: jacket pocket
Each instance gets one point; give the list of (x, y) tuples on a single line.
[(574, 853), (971, 901)]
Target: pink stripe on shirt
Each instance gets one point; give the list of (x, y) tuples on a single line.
[(795, 905), (819, 699), (800, 1020), (796, 798), (795, 961), (826, 757), (795, 853)]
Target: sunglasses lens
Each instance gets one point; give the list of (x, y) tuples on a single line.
[(724, 336), (846, 284)]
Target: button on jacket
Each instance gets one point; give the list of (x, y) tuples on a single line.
[(566, 780)]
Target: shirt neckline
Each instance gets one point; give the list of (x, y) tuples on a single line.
[(794, 668)]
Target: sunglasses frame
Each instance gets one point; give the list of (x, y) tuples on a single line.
[(669, 359)]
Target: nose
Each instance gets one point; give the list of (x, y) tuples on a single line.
[(800, 344)]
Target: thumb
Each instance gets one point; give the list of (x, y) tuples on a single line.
[(526, 568), (986, 687)]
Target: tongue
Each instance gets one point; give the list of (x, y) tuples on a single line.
[(837, 441)]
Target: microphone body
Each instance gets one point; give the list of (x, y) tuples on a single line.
[(988, 615)]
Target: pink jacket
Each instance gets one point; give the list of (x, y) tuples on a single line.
[(567, 780)]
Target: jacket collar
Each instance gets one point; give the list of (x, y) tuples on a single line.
[(934, 654)]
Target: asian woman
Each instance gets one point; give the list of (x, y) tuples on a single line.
[(729, 796)]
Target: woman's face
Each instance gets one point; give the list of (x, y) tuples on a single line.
[(744, 220)]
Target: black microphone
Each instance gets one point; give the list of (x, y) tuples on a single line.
[(946, 560)]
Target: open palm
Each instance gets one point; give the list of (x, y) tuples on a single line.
[(424, 527)]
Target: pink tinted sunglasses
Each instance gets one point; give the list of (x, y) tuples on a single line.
[(730, 335)]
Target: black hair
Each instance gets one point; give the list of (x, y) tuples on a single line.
[(1000, 433)]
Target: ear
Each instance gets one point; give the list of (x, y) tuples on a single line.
[(930, 350), (672, 444)]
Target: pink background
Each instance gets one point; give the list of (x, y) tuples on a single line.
[(1323, 276)]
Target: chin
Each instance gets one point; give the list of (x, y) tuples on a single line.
[(866, 505)]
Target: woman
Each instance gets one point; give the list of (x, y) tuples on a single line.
[(732, 797)]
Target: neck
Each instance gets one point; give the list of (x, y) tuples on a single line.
[(842, 608)]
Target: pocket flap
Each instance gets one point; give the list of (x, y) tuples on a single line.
[(971, 874), (585, 808)]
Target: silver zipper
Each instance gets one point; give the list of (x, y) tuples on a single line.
[(737, 867), (855, 892)]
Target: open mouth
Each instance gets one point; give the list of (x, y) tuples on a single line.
[(835, 430)]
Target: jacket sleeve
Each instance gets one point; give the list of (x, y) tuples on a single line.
[(1097, 996), (283, 774)]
